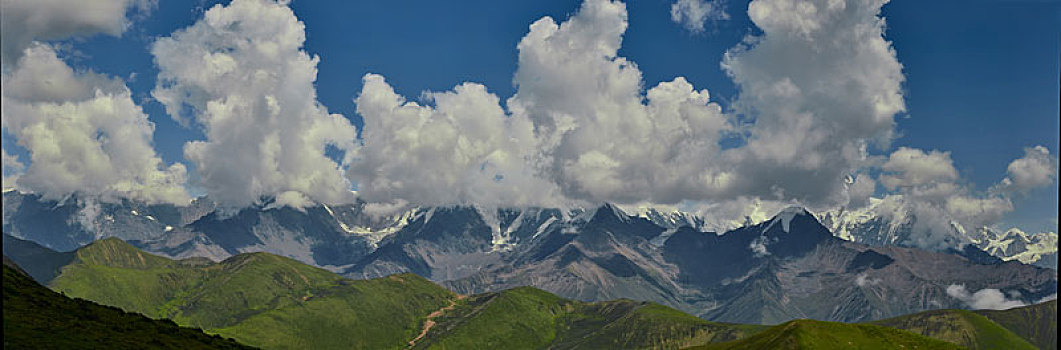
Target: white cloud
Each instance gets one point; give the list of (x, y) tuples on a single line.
[(84, 133), (863, 280), (860, 189), (910, 167), (814, 100), (240, 73), (1038, 168), (462, 150), (600, 140), (821, 85), (578, 128), (758, 247), (929, 187), (984, 299), (24, 21), (694, 14)]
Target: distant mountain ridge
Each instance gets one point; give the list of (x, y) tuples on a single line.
[(275, 302), (882, 223), (784, 268)]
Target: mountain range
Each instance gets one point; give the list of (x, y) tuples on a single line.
[(789, 267), (890, 222), (261, 299)]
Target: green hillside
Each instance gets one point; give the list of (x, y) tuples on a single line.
[(274, 302), (259, 299), (37, 318), (808, 334), (1035, 323), (528, 318), (961, 327)]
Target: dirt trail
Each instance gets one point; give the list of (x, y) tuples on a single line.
[(430, 322)]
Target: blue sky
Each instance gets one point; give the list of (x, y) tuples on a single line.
[(981, 76)]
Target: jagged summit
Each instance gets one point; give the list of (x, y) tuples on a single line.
[(610, 211)]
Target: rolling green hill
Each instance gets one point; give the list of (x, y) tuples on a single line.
[(1035, 323), (37, 318), (962, 327), (259, 299), (274, 302), (808, 334), (528, 318)]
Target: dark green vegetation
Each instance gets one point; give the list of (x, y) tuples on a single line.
[(808, 334), (1035, 323), (533, 319), (37, 318), (963, 327)]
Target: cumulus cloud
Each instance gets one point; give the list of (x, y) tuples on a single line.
[(910, 167), (25, 21), (602, 140), (821, 84), (1038, 168), (984, 299), (82, 130), (928, 186), (241, 75), (817, 89), (695, 14), (462, 150), (578, 125)]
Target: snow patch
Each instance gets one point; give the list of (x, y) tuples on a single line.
[(785, 217)]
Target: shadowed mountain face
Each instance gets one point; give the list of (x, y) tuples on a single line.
[(788, 267), (41, 263)]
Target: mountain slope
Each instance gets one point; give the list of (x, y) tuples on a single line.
[(785, 268), (808, 334), (37, 318), (961, 327), (531, 318), (258, 298), (41, 263), (1035, 323), (891, 221)]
